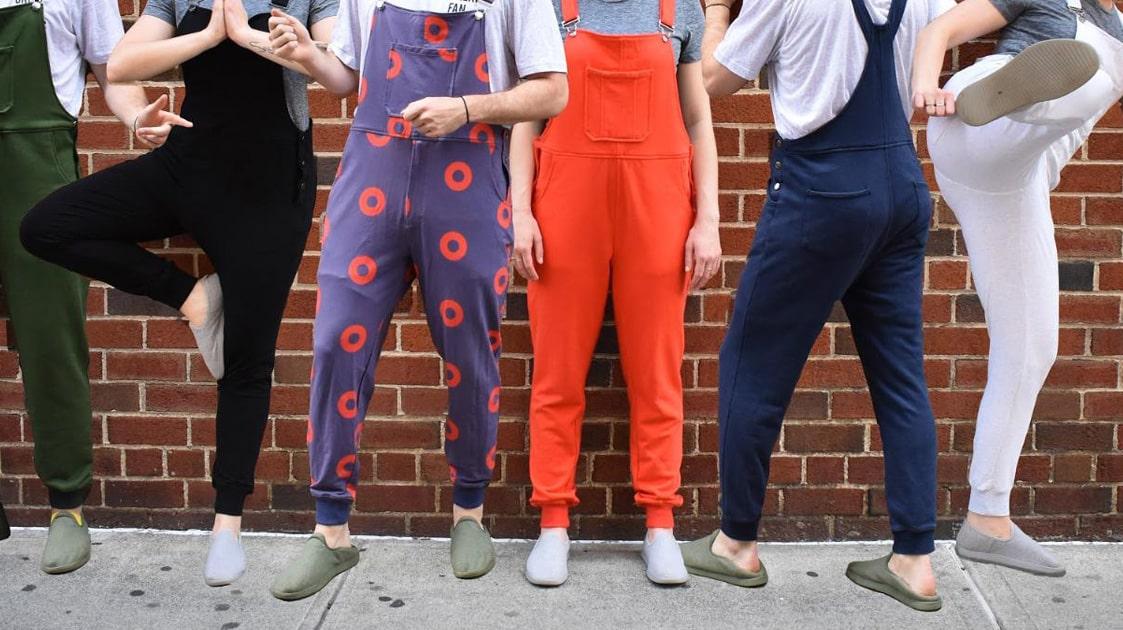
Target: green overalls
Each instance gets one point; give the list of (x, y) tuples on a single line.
[(46, 304)]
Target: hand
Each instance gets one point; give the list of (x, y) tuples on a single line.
[(289, 38), (153, 123), (703, 253), (216, 28), (934, 101), (436, 116), (238, 22), (528, 245)]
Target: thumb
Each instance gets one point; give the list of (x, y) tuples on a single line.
[(918, 100), (160, 103), (411, 111), (689, 256)]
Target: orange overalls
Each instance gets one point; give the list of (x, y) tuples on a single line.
[(613, 197)]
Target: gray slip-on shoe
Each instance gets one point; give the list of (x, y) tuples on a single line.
[(1043, 72), (209, 335), (473, 554), (1018, 552), (315, 567), (700, 560), (226, 559), (68, 544), (876, 575)]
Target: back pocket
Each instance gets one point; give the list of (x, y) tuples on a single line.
[(617, 105), (835, 224), (416, 72), (7, 78)]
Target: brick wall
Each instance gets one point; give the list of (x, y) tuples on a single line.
[(154, 428)]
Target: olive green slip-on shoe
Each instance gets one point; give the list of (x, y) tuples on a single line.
[(876, 576), (315, 567), (701, 561), (1043, 72), (473, 554), (68, 544)]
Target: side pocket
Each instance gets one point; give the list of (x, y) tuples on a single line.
[(834, 224), (7, 78), (923, 222), (543, 172)]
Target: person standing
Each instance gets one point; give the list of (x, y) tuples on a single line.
[(46, 49), (846, 219), (422, 192), (609, 190), (1000, 134), (241, 182)]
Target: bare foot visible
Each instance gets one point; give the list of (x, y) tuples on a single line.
[(1000, 527), (476, 514), (744, 554), (336, 536), (916, 571), (228, 523), (195, 306)]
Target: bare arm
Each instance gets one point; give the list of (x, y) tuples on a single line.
[(148, 122), (719, 80), (151, 47), (528, 249), (241, 33), (703, 246), (290, 40), (537, 97), (968, 20)]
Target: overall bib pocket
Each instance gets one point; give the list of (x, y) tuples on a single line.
[(617, 105), (417, 72), (7, 78), (833, 223)]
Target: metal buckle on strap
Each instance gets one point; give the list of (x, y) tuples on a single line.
[(482, 7), (570, 26), (1078, 9), (379, 5), (666, 30)]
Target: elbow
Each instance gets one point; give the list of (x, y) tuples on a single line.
[(716, 81), (557, 97), (113, 71)]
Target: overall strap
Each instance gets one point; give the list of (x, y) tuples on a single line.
[(571, 16), (869, 28), (896, 14), (667, 18)]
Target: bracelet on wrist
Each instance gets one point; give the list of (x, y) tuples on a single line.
[(727, 7), (467, 116)]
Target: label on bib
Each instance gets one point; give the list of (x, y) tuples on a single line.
[(436, 6), (7, 4)]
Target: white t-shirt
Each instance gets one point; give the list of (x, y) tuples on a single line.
[(79, 32), (815, 52), (521, 35)]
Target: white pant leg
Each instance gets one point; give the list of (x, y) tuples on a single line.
[(1013, 256)]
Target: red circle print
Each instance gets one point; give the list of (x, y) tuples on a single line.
[(503, 214), (452, 473), (436, 29), (358, 434), (344, 468), (348, 405), (501, 278), (452, 374), (491, 458), (325, 229), (451, 313), (458, 176), (378, 140), (454, 246), (310, 434), (448, 54), (409, 207), (496, 340), (353, 338), (372, 201), (362, 90), (482, 132), (362, 270), (452, 432), (399, 127), (493, 401), (395, 65), (318, 298), (481, 69)]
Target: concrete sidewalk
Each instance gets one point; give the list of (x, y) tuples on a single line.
[(143, 579)]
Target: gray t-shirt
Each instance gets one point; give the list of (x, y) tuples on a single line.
[(1033, 21), (310, 11), (633, 17)]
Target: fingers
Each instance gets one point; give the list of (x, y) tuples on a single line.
[(539, 249), (174, 119), (412, 111), (689, 255), (524, 264), (949, 100)]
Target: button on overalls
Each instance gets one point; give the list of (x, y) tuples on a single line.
[(614, 201), (846, 219), (46, 303), (406, 205)]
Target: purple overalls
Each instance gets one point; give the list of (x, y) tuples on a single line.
[(405, 206)]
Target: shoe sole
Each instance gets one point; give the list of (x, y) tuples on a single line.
[(547, 583), (672, 581), (753, 582), (471, 575), (878, 587), (223, 582), (1006, 561), (1043, 72), (312, 590)]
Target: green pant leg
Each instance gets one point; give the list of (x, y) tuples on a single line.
[(47, 306)]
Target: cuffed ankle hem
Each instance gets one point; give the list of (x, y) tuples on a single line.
[(555, 516), (660, 517), (332, 512), (914, 543), (467, 497), (989, 503), (740, 530), (70, 500), (229, 501)]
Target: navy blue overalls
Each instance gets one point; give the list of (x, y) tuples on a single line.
[(846, 219)]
